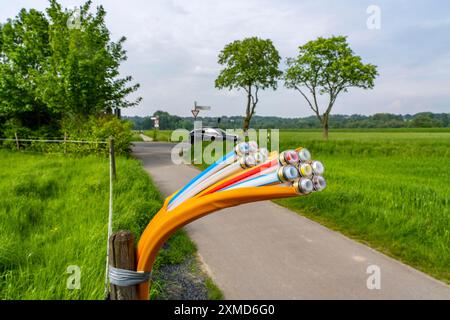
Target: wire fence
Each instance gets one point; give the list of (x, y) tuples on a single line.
[(65, 141), (55, 145)]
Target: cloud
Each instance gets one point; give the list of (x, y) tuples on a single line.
[(205, 71), (173, 46)]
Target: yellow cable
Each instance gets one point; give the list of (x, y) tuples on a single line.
[(163, 225)]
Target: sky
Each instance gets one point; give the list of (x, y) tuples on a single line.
[(172, 50)]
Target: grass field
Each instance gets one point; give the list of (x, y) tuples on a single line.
[(53, 214), (159, 135), (389, 189), (136, 136)]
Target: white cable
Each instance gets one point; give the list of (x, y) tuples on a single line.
[(260, 173), (244, 162), (239, 150), (286, 173), (256, 182)]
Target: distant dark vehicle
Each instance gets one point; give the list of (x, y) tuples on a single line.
[(211, 134)]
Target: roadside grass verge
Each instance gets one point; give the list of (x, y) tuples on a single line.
[(159, 135), (388, 189), (53, 214), (136, 136)]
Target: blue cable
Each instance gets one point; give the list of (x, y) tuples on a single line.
[(202, 174), (251, 179)]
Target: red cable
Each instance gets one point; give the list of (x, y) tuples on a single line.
[(244, 175)]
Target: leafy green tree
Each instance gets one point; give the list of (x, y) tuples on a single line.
[(327, 66), (250, 64), (24, 49), (171, 122), (378, 120), (83, 70), (51, 68), (424, 120)]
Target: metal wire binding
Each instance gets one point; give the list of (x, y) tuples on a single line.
[(124, 277)]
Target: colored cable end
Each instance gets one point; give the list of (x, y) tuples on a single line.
[(303, 186), (241, 148), (318, 168), (247, 162), (288, 173), (304, 154), (262, 155), (319, 183), (288, 157), (305, 170), (252, 146)]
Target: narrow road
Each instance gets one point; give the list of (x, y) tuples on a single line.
[(145, 138), (264, 251)]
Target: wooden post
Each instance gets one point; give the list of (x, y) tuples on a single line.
[(122, 255), (112, 157), (17, 141), (65, 141)]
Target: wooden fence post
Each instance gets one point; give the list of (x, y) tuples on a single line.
[(65, 142), (112, 157), (17, 141), (122, 255)]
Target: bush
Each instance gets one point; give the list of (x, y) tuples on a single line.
[(13, 126), (93, 130), (100, 129)]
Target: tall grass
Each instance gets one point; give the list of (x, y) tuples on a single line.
[(389, 189), (159, 135), (53, 214)]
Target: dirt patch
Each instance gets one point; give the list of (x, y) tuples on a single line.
[(183, 281)]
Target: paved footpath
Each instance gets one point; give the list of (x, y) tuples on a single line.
[(264, 251), (145, 138)]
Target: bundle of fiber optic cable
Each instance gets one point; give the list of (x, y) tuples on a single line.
[(246, 174)]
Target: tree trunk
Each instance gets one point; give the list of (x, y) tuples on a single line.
[(246, 123), (325, 126), (248, 114)]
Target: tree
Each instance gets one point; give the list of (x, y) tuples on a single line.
[(24, 50), (327, 66), (83, 70), (250, 64), (171, 122), (50, 69), (424, 120)]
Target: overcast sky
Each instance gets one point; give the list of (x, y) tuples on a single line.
[(173, 46)]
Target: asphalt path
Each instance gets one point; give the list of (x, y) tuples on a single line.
[(264, 251)]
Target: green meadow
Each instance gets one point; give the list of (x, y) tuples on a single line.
[(159, 135), (387, 188), (53, 214)]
